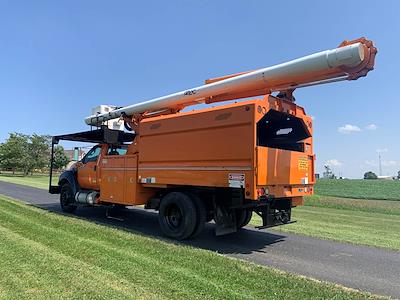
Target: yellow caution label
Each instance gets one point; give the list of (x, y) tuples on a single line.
[(303, 163)]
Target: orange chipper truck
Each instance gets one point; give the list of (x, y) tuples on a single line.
[(218, 163)]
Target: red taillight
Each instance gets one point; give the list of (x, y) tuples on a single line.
[(260, 192)]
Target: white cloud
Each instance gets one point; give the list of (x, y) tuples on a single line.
[(347, 129), (333, 163), (371, 126)]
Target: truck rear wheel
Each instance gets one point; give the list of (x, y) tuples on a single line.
[(177, 215), (67, 199), (201, 214), (243, 217)]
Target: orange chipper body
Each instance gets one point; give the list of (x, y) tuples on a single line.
[(219, 163)]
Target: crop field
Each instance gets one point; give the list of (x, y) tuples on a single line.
[(43, 255), (359, 188)]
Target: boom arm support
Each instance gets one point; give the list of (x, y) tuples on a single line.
[(351, 60)]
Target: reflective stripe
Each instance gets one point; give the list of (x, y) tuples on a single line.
[(198, 168), (182, 168), (119, 169)]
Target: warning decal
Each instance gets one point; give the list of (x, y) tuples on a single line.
[(303, 163), (236, 180)]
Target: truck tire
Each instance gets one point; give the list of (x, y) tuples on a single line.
[(201, 214), (243, 217), (177, 215), (67, 199)]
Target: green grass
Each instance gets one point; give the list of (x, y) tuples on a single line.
[(344, 188), (38, 180), (358, 221), (359, 189), (362, 222), (49, 256), (374, 206)]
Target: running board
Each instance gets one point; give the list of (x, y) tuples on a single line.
[(108, 216)]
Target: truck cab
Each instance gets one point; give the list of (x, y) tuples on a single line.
[(88, 170)]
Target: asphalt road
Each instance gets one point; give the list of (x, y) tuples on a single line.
[(359, 267)]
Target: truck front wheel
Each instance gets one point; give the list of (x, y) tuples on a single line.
[(67, 199), (177, 215)]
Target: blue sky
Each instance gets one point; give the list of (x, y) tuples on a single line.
[(58, 59)]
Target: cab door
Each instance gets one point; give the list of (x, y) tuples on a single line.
[(112, 185), (88, 171)]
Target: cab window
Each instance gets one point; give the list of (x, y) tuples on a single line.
[(116, 151), (92, 155)]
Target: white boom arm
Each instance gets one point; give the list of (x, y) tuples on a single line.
[(322, 67)]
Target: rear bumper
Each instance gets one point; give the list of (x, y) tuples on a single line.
[(272, 211), (285, 191), (272, 216)]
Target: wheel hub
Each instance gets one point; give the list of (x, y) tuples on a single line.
[(174, 217)]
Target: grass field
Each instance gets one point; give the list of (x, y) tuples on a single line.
[(344, 188), (49, 256), (363, 222), (358, 221), (359, 189), (37, 181), (372, 206)]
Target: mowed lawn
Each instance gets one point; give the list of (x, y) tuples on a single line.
[(37, 181), (363, 222), (48, 256), (359, 188), (358, 221)]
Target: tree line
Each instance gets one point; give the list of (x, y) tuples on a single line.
[(28, 153)]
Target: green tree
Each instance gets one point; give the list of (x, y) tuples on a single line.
[(21, 152), (60, 158), (39, 151), (370, 175), (14, 153)]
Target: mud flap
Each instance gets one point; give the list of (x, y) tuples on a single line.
[(225, 221)]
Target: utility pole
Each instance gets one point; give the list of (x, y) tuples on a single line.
[(380, 164)]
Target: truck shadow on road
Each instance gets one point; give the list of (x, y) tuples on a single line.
[(245, 241)]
